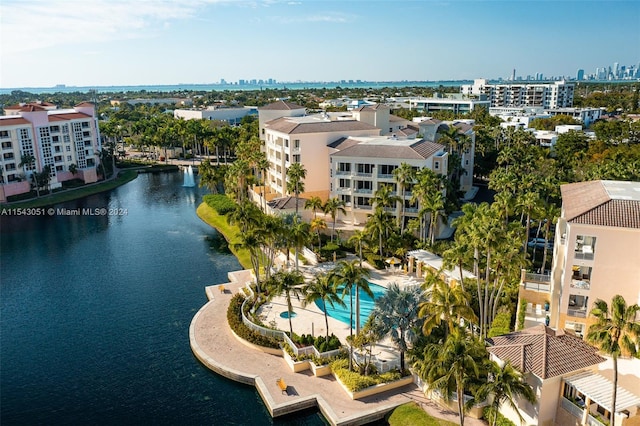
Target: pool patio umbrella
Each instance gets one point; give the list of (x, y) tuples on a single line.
[(393, 261)]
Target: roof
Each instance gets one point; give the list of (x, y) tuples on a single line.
[(383, 147), (544, 351), (13, 121), (68, 116), (286, 203), (280, 106), (602, 203), (291, 126), (85, 104), (598, 389), (372, 107)]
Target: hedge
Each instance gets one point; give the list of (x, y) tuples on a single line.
[(234, 317), (356, 382), (220, 203)]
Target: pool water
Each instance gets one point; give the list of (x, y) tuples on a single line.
[(367, 304), (285, 314)]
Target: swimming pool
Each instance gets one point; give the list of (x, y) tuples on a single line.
[(366, 305)]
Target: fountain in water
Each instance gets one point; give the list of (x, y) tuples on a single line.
[(188, 177)]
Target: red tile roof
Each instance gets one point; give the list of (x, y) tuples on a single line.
[(602, 203), (68, 116), (281, 106), (544, 352), (13, 120), (293, 127)]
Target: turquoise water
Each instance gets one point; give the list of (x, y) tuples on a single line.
[(366, 305), (285, 314)]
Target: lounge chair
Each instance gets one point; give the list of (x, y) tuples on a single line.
[(221, 289), (282, 385)]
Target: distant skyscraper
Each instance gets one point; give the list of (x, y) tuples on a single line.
[(580, 74), (615, 70), (513, 75)]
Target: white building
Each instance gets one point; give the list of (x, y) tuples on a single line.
[(53, 137), (361, 165), (454, 103), (230, 115), (558, 94), (277, 110), (584, 115)]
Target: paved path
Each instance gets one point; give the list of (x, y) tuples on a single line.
[(214, 345)]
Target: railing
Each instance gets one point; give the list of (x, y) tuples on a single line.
[(385, 176), (276, 334), (544, 288), (363, 206), (579, 313), (343, 173), (581, 284), (381, 365), (584, 256), (537, 278), (363, 191), (364, 174), (572, 408), (592, 421)]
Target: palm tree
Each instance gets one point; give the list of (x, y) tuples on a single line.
[(295, 175), (322, 289), (527, 203), (314, 203), (252, 241), (384, 197), (404, 175), (354, 278), (246, 215), (433, 203), (290, 283), (614, 332), (379, 225), (28, 162), (357, 239), (299, 233), (397, 313), (506, 384), (444, 304), (332, 207), (318, 224), (452, 366)]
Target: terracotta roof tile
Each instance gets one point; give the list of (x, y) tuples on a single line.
[(602, 203), (13, 121), (280, 106), (292, 127), (68, 116), (544, 352)]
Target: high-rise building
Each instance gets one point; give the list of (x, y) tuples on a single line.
[(580, 75)]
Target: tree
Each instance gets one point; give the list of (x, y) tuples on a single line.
[(397, 313), (322, 289), (295, 175), (314, 203), (318, 224), (28, 163), (332, 207), (245, 215), (290, 283), (404, 175), (379, 226), (453, 366), (506, 384), (353, 278), (73, 169), (443, 304), (616, 331), (357, 239), (300, 234)]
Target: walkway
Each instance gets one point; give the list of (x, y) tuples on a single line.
[(217, 348)]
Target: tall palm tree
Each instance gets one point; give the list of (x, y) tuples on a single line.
[(404, 175), (295, 176), (527, 204), (353, 278), (314, 203), (246, 215), (300, 234), (379, 226), (443, 304), (28, 162), (252, 241), (332, 207), (433, 204), (318, 224), (614, 332), (506, 384), (452, 366), (397, 313), (322, 289), (384, 197), (290, 283), (358, 239)]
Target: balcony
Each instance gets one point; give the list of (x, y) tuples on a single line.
[(582, 284), (577, 312), (363, 191), (343, 173)]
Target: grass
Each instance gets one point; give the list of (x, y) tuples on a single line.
[(230, 232), (411, 414), (74, 194)]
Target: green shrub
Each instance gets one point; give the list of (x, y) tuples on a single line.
[(375, 260), (220, 203), (522, 314), (501, 324), (355, 381), (488, 414), (234, 317)]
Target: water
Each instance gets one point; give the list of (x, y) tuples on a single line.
[(367, 304), (95, 313), (188, 180), (238, 88)]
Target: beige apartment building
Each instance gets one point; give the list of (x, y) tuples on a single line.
[(597, 250)]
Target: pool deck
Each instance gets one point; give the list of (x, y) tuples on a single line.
[(214, 344)]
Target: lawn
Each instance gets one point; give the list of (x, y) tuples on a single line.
[(230, 232), (411, 414), (74, 194)]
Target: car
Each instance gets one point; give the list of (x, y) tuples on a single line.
[(539, 243)]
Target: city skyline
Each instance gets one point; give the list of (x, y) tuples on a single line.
[(102, 43)]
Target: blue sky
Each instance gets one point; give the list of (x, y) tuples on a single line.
[(114, 42)]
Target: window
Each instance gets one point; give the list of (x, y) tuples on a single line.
[(364, 168), (6, 145), (344, 167), (296, 158), (69, 158), (363, 202), (585, 247), (286, 158), (436, 165), (286, 143), (68, 148), (346, 199), (296, 143), (55, 129), (4, 133), (59, 169), (363, 185), (344, 183), (386, 170)]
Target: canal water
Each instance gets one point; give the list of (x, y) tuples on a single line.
[(95, 314)]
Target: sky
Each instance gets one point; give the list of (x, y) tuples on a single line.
[(156, 42)]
